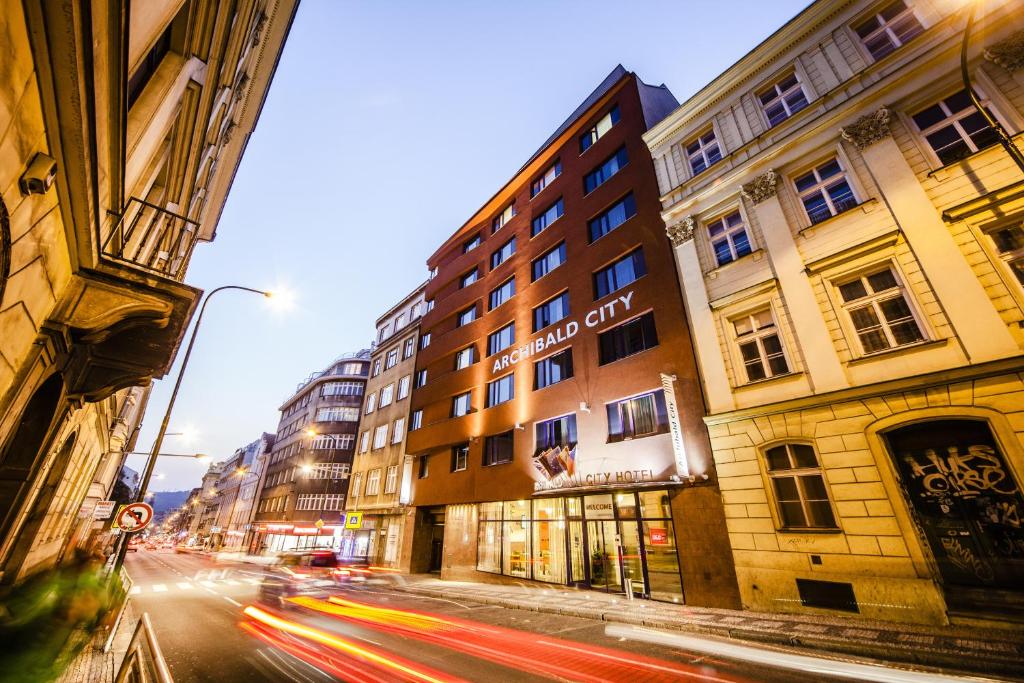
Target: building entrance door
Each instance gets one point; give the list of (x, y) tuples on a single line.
[(605, 563)]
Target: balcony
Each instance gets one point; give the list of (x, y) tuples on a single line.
[(152, 238)]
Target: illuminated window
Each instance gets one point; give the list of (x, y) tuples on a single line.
[(799, 488), (553, 369), (954, 128), (760, 347), (460, 457), (639, 416), (879, 311), (502, 218)]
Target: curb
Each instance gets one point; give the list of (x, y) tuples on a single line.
[(971, 662)]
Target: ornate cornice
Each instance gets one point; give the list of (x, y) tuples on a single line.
[(868, 129), (762, 187), (1008, 53), (257, 29), (681, 232), (228, 132), (241, 83)]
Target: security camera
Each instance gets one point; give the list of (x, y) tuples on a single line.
[(39, 176)]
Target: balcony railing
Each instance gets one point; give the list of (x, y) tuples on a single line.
[(152, 238)]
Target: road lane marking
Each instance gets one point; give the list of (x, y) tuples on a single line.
[(208, 584), (185, 585), (230, 582), (159, 588), (232, 601), (135, 590)]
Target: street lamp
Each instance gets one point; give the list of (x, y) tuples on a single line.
[(1004, 138), (158, 442)]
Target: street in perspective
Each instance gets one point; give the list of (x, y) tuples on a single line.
[(398, 341)]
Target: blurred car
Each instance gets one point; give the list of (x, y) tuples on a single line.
[(310, 573), (133, 546)]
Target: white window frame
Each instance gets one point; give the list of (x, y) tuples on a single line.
[(466, 354), (820, 187), (398, 430), (728, 234), (364, 441), (357, 485), (757, 336), (886, 28), (391, 360), (373, 482), (458, 399), (403, 387), (387, 396), (874, 299), (371, 403), (391, 479), (702, 150), (380, 436), (409, 348), (780, 95)]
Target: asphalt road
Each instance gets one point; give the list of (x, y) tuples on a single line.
[(196, 607)]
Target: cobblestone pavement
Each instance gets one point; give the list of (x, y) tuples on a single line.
[(93, 665), (990, 651)]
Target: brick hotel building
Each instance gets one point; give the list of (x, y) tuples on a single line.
[(556, 415)]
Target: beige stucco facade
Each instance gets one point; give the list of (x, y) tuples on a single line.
[(838, 320), (121, 125)]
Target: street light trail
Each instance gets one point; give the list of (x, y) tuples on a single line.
[(804, 663)]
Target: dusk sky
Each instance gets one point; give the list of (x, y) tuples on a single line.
[(387, 125)]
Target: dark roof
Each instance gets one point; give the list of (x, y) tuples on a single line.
[(609, 81)]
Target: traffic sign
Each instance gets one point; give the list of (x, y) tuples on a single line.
[(353, 520), (134, 517), (103, 509)]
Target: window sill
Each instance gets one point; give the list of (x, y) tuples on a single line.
[(768, 380), (899, 350), (634, 438), (866, 206), (942, 172), (803, 530), (755, 255)]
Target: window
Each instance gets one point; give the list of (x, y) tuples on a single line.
[(465, 357), (371, 403), (400, 322), (782, 99), (471, 244), (890, 27), (415, 420), (498, 449), (502, 218), (501, 390), (364, 441), (410, 346), (337, 414), (382, 333), (638, 416), (613, 217), (460, 405), (954, 128), (878, 308), (825, 191), (353, 369), (387, 395), (553, 369), (559, 432), (501, 339), (469, 278), (759, 344), (551, 311), (627, 339), (799, 488), (380, 436), (391, 481), (398, 430), (376, 367), (1009, 240), (466, 317), (403, 387), (425, 341), (333, 441), (606, 170), (729, 238), (341, 389), (357, 485), (503, 293), (373, 482), (626, 270), (423, 468), (391, 360), (603, 125), (145, 70), (430, 302), (329, 470), (550, 215), (548, 261), (318, 501), (420, 379), (504, 253), (703, 151), (554, 170), (460, 457)]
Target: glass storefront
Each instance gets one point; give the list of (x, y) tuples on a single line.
[(605, 541)]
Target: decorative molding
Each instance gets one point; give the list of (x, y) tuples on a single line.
[(1008, 53), (241, 84), (257, 29), (868, 129), (762, 187), (225, 136), (681, 232)]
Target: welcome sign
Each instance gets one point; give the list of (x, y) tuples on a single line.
[(618, 307)]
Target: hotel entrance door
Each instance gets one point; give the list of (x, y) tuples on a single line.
[(605, 569)]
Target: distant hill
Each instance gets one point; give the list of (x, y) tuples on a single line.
[(164, 501)]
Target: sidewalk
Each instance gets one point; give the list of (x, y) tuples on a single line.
[(994, 652), (93, 665)]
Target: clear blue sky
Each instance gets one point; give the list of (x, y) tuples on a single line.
[(387, 125)]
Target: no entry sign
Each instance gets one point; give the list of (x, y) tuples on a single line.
[(134, 517)]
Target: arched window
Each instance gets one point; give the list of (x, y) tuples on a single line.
[(799, 488)]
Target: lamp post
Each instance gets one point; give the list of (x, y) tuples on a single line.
[(1004, 138), (159, 441)]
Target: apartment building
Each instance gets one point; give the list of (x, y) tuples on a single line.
[(302, 499), (379, 491), (556, 414), (121, 126), (848, 236)]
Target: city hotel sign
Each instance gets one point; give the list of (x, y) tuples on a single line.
[(617, 307)]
